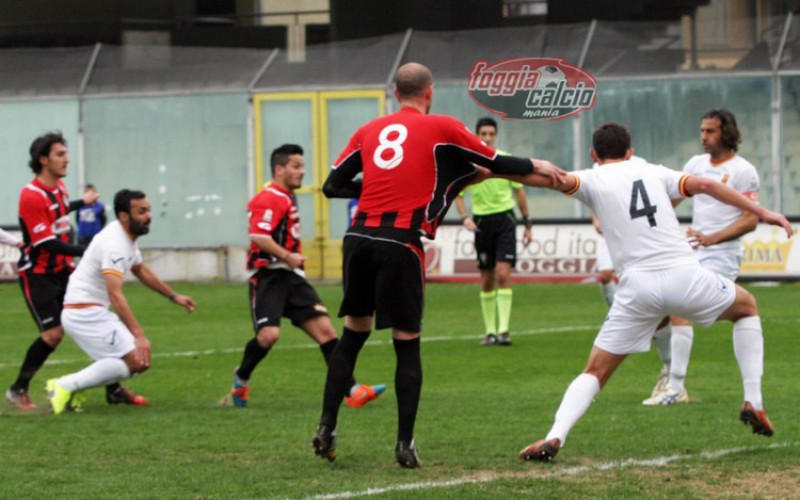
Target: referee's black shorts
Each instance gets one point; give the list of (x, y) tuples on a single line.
[(44, 294), (384, 276), (496, 239), (276, 293)]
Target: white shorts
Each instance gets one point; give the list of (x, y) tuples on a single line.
[(723, 262), (644, 298), (603, 256), (98, 331)]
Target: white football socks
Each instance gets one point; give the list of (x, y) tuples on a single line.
[(577, 400), (748, 346), (682, 338), (101, 372)]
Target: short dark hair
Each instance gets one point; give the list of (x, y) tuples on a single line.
[(41, 147), (731, 137), (485, 122), (123, 198), (281, 154), (89, 186), (611, 141)]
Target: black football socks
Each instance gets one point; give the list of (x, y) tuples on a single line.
[(408, 386), (253, 354)]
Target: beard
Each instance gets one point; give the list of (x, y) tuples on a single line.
[(139, 228)]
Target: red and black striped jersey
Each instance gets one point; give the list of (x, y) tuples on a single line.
[(413, 166), (273, 212), (43, 216)]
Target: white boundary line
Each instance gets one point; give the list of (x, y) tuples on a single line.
[(488, 477), (312, 345)]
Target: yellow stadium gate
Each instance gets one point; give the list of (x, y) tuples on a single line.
[(322, 123)]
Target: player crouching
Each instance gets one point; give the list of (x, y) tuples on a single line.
[(116, 342)]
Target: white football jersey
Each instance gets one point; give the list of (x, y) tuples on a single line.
[(633, 200), (111, 252), (710, 215)]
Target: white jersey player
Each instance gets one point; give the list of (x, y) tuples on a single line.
[(114, 254), (116, 342), (715, 234), (604, 267), (659, 276), (722, 253)]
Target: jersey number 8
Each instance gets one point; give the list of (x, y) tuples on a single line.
[(393, 146)]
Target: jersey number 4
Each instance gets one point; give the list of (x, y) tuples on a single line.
[(647, 210)]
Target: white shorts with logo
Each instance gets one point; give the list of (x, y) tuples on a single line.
[(603, 256), (644, 298), (723, 262), (98, 331)]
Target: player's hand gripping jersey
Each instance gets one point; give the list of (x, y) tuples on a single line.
[(413, 166)]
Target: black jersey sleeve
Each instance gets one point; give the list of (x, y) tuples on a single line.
[(502, 164), (56, 246), (341, 181), (76, 204)]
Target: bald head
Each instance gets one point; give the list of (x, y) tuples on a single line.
[(412, 79)]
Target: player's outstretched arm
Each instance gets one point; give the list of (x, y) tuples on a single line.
[(8, 239), (548, 169), (566, 182), (152, 281), (88, 198), (700, 185), (777, 219)]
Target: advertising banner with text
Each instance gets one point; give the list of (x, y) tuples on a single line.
[(566, 252)]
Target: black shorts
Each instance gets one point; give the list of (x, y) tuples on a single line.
[(276, 293), (496, 239), (384, 276), (44, 294)]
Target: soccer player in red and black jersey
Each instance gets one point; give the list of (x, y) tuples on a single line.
[(278, 288), (46, 257), (413, 164)]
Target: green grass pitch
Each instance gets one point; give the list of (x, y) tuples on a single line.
[(479, 407)]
